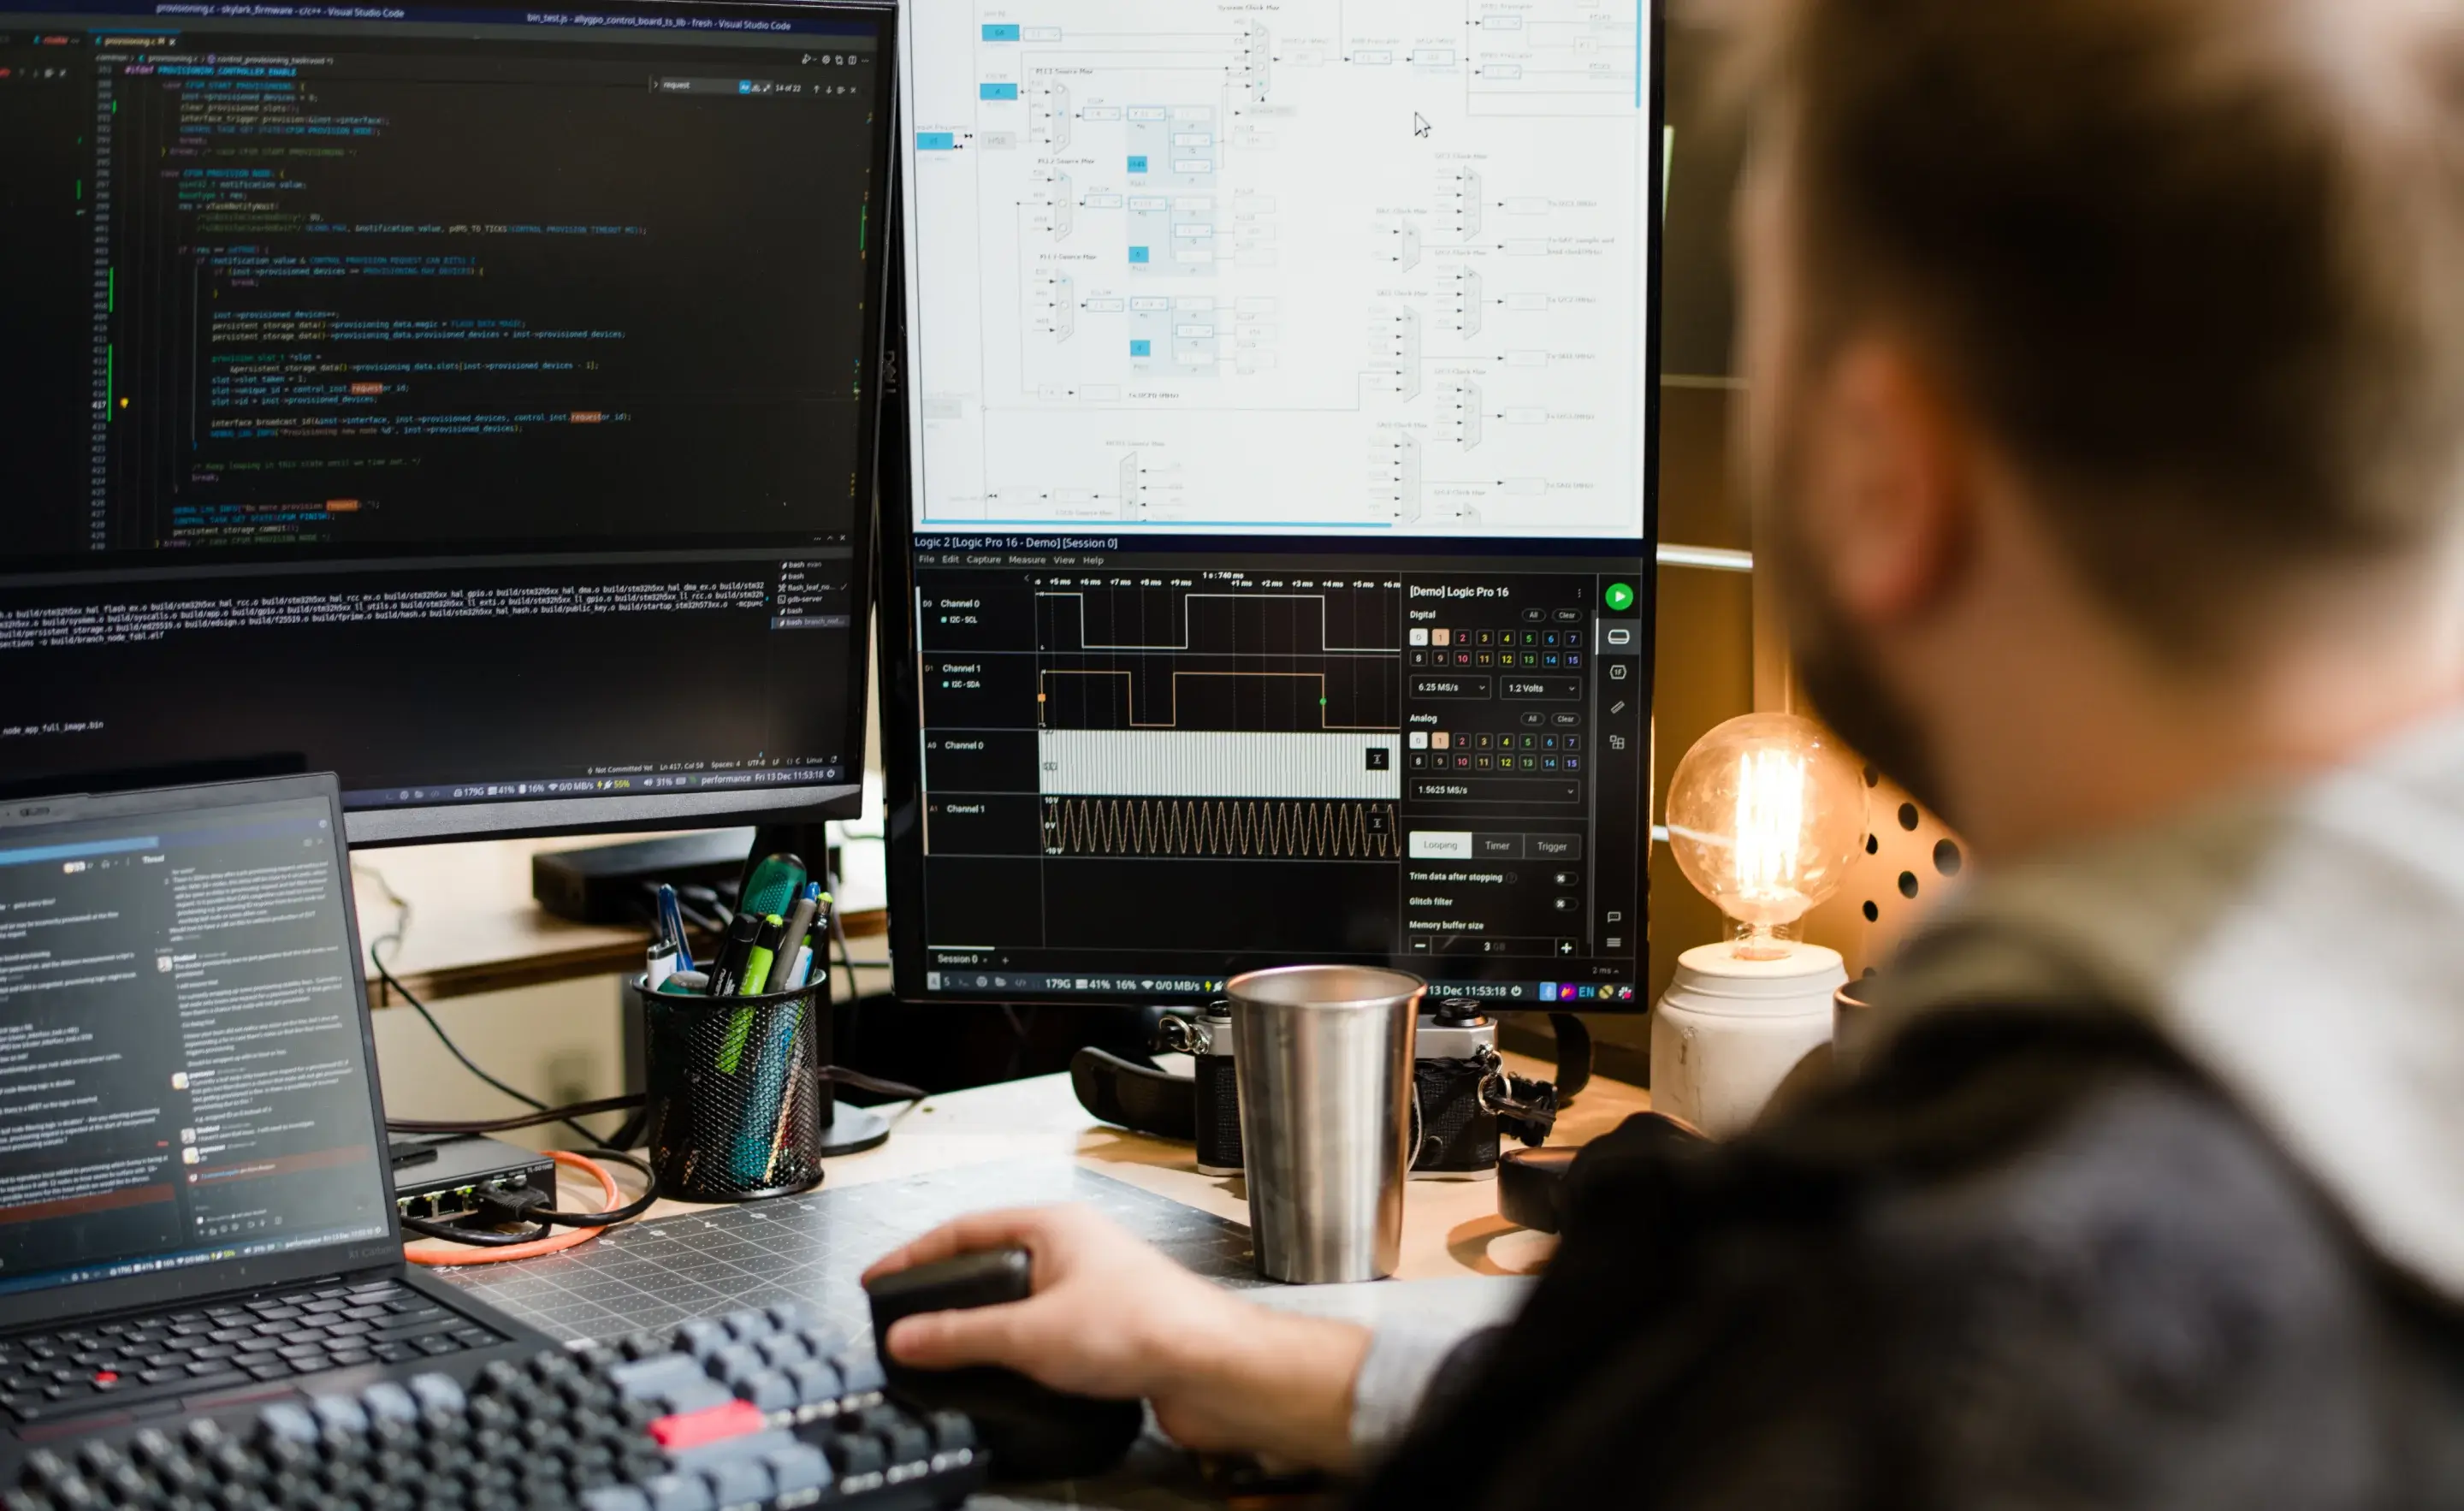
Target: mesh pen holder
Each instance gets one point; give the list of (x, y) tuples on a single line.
[(736, 1089)]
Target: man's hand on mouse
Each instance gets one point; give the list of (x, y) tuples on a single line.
[(1106, 1316), (1111, 1317)]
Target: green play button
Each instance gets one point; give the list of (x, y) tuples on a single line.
[(1620, 597)]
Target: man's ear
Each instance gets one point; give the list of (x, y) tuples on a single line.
[(1889, 483)]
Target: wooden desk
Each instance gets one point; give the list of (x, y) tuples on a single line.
[(1450, 1228), (475, 929), (1451, 1233)]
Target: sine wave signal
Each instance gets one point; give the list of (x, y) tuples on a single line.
[(1219, 828)]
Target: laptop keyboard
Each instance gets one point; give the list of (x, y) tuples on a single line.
[(104, 1365)]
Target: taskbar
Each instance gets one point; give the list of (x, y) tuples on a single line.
[(630, 784), (1601, 996), (190, 1259)]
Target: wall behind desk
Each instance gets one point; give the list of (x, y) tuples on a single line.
[(1721, 648)]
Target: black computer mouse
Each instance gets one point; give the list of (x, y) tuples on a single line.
[(1532, 1186), (1031, 1430)]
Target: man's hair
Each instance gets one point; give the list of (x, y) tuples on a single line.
[(2197, 264)]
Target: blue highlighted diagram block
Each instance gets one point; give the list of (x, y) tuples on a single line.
[(1142, 348), (1138, 254), (1139, 162), (999, 34), (936, 140), (1000, 92)]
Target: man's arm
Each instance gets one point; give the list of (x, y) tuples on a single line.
[(2025, 1264), (1112, 1318), (2022, 1264)]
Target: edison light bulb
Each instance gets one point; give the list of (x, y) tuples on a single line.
[(1766, 815)]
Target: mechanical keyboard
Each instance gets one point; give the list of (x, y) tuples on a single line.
[(764, 1411)]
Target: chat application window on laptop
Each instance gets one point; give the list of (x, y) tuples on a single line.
[(182, 1074)]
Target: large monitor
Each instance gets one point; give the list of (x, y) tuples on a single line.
[(1272, 577), (477, 401)]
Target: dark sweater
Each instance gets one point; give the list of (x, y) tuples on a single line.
[(2025, 1261)]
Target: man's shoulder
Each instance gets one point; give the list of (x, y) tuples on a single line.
[(2055, 1147), (2086, 1265), (2019, 1260)]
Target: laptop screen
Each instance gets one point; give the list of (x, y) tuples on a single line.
[(184, 1074)]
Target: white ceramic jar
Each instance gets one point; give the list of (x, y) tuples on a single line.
[(1728, 1031)]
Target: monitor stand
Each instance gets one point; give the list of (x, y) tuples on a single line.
[(846, 1128)]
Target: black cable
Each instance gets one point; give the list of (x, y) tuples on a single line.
[(467, 1063), (532, 1120), (1022, 1032), (715, 915), (384, 973), (838, 938), (898, 1090), (1018, 1043), (855, 993), (633, 1130)]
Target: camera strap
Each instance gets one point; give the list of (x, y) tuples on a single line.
[(1525, 1108), (1151, 1101)]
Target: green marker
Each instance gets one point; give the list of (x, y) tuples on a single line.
[(757, 975)]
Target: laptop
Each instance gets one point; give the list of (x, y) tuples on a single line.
[(196, 1203)]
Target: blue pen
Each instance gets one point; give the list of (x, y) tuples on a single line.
[(671, 921), (669, 914)]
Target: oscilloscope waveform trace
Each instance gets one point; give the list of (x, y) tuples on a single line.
[(1320, 660), (1219, 828), (1370, 609)]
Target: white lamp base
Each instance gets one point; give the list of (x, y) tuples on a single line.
[(1728, 1031)]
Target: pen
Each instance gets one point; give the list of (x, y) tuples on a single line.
[(660, 963), (799, 921), (671, 923), (802, 971)]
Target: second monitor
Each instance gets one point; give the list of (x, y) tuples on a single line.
[(1148, 765)]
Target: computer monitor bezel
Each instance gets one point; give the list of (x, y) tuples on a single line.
[(166, 1287), (901, 693), (521, 817)]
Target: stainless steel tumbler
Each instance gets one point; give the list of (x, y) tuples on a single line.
[(1324, 1054)]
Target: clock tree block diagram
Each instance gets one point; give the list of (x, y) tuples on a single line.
[(1370, 266)]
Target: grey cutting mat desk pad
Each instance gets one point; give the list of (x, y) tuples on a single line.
[(646, 1277)]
